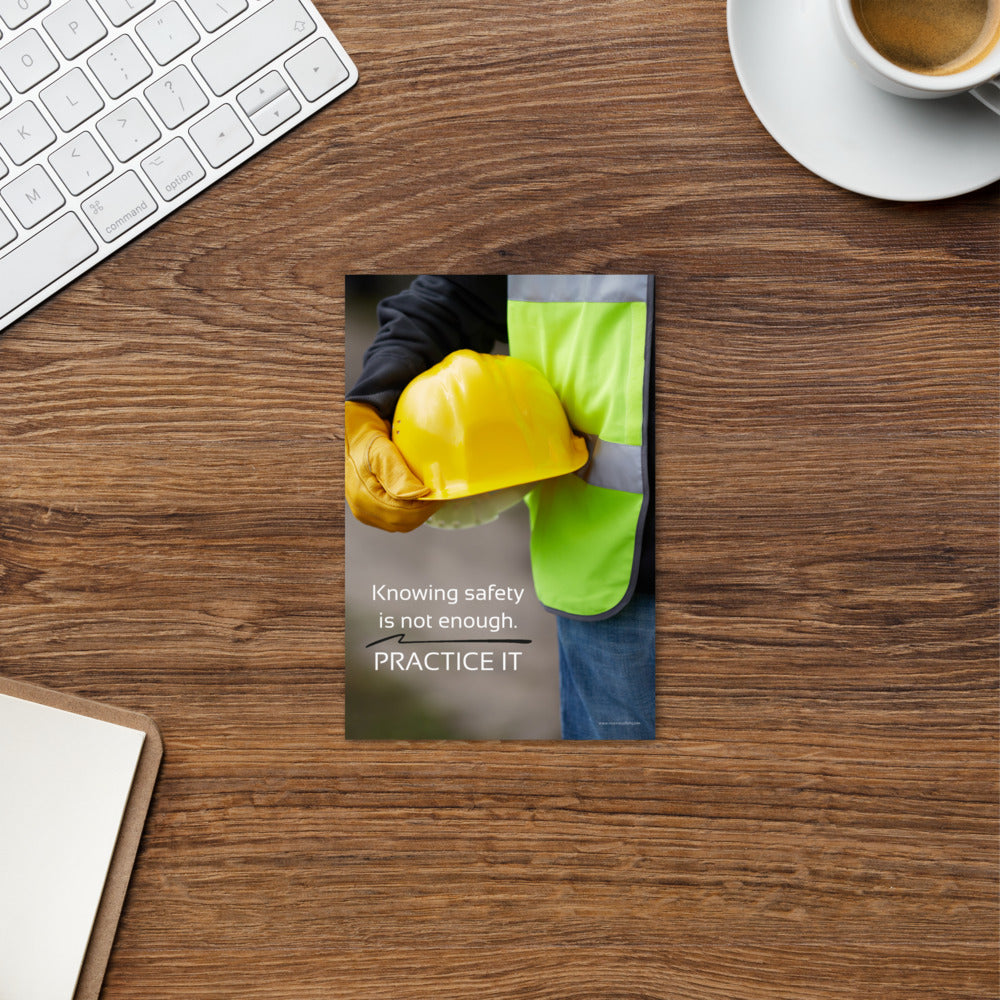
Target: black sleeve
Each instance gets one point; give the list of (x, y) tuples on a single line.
[(419, 327)]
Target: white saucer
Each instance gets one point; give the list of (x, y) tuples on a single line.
[(816, 105)]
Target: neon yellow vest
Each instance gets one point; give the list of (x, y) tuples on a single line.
[(591, 335)]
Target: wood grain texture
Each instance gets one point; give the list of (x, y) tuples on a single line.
[(818, 817)]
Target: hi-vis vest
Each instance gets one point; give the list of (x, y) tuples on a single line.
[(591, 335)]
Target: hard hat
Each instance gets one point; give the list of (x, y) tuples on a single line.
[(480, 422)]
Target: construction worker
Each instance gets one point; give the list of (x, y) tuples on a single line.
[(591, 531)]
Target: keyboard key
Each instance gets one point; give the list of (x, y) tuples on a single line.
[(4, 96), (27, 61), (167, 33), (38, 262), (24, 133), (72, 99), (16, 12), (251, 44), (177, 97), (119, 206), (316, 70), (120, 11), (7, 231), (32, 196), (3, 170), (220, 135), (276, 113), (128, 130), (173, 169), (119, 66), (213, 14), (74, 27), (265, 90), (80, 164)]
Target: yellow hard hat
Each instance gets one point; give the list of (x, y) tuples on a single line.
[(480, 422)]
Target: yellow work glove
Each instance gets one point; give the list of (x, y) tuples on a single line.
[(382, 491)]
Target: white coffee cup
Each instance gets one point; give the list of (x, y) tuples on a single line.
[(981, 79)]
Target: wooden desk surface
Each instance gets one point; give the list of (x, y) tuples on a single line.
[(818, 817)]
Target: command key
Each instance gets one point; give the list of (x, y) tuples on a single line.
[(118, 207)]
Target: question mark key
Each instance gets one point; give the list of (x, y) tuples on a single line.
[(176, 97)]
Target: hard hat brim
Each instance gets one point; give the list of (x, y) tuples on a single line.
[(579, 453)]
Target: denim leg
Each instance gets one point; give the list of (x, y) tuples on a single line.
[(607, 674)]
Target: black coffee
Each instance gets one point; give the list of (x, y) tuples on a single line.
[(930, 36)]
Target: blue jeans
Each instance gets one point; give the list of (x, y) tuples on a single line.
[(607, 674)]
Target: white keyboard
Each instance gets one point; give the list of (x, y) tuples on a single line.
[(115, 112)]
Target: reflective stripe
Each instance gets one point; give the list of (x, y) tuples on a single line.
[(577, 287), (613, 466)]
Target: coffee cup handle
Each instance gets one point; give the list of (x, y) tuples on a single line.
[(989, 94)]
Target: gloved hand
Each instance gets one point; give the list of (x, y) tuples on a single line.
[(382, 491)]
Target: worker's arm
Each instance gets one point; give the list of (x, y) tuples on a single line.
[(420, 326), (417, 328)]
